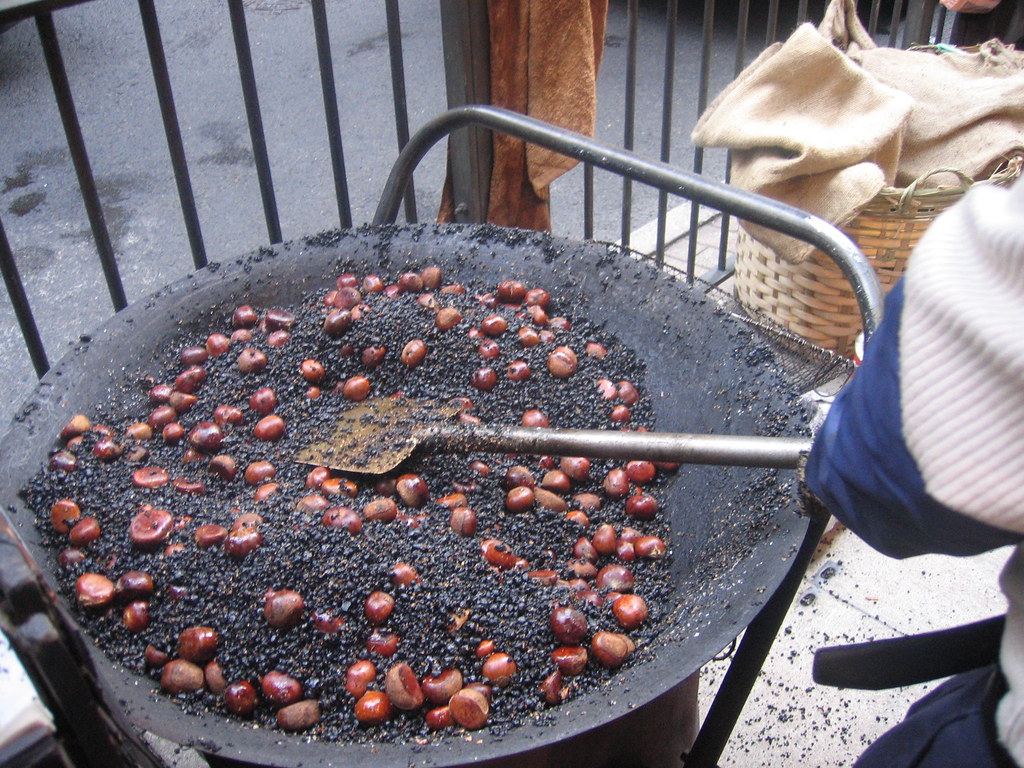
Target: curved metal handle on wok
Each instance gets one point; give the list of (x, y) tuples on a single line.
[(759, 635), (745, 205)]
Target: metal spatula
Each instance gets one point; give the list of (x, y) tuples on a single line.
[(378, 434)]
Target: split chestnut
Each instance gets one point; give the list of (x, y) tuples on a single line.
[(470, 708), (553, 688), (562, 362), (342, 517), (570, 660), (384, 643), (440, 689), (263, 401), (94, 590), (630, 611), (134, 585), (63, 513), (359, 676), (181, 676), (402, 574), (251, 360), (299, 716), (135, 616), (403, 688), (611, 649), (498, 669), (206, 436), (463, 521), (378, 608), (414, 353)]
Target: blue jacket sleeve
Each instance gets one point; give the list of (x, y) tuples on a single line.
[(862, 470)]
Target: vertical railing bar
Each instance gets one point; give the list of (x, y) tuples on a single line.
[(247, 76), (667, 96), (726, 221), (330, 94), (742, 27), (894, 22), (940, 23), (876, 9), (588, 201), (698, 152), (801, 11), (398, 93), (466, 45), (918, 26), (772, 28), (22, 310), (80, 158), (629, 118), (172, 131)]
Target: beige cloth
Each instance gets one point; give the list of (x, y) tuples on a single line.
[(968, 107), (808, 128), (827, 119)]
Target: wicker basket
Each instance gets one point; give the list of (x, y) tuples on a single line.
[(813, 298)]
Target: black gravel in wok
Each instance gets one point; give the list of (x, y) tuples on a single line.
[(333, 570)]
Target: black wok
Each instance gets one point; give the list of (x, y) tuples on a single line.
[(735, 530)]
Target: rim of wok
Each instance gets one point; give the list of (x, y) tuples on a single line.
[(602, 278)]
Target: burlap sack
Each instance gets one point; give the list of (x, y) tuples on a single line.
[(968, 107), (827, 119)]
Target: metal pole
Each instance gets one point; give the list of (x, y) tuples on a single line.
[(588, 201), (323, 55), (698, 152), (783, 218), (749, 658), (721, 272), (398, 92), (678, 447), (465, 41), (22, 310), (671, 24), (918, 28), (247, 75), (179, 163), (629, 119), (80, 158)]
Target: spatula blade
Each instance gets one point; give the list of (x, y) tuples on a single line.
[(376, 435)]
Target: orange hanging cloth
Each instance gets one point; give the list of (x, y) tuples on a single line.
[(544, 56)]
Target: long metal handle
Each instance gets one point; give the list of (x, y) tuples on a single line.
[(727, 450), (746, 205)]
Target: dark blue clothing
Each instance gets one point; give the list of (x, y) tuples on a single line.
[(863, 472), (951, 727), (861, 468)]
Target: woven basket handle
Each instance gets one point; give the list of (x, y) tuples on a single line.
[(908, 194)]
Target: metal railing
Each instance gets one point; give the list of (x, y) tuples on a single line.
[(661, 67)]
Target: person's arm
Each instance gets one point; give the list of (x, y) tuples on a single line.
[(861, 469)]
